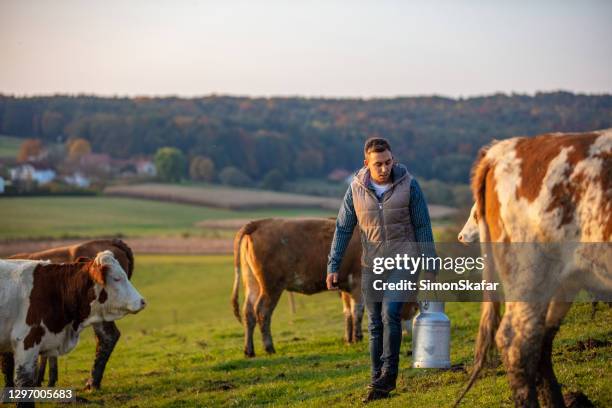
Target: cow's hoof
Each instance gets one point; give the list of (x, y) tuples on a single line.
[(249, 354), (270, 350)]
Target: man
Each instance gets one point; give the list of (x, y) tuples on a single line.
[(387, 203)]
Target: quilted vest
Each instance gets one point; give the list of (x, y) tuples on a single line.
[(385, 226)]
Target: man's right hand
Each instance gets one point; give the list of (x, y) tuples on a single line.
[(332, 281)]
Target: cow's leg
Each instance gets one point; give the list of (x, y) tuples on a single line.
[(52, 372), (40, 370), (107, 335), (348, 317), (249, 326), (8, 369), (248, 311), (520, 342), (25, 368), (357, 309), (263, 310), (549, 389)]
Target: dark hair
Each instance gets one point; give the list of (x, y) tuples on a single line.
[(376, 144)]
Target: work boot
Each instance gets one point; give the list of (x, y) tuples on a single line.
[(374, 394), (375, 378), (385, 383)]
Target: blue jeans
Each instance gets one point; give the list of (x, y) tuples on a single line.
[(385, 328)]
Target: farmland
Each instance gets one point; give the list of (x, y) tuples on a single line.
[(152, 225), (85, 217), (223, 197), (189, 352), (239, 198)]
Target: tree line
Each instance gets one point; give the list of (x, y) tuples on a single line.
[(292, 138)]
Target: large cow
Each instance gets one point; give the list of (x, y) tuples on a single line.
[(44, 306), (273, 255), (548, 189), (490, 312), (106, 333)]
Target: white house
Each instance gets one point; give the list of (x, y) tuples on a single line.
[(27, 172), (77, 179), (146, 167)]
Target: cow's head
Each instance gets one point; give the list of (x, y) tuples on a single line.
[(470, 232), (115, 294)]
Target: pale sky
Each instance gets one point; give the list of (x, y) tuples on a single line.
[(304, 47)]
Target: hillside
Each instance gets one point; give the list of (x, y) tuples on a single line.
[(437, 137)]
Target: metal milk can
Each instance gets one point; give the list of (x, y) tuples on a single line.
[(431, 337)]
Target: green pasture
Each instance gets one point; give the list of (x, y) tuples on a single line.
[(85, 217), (185, 349), (92, 217), (9, 146)]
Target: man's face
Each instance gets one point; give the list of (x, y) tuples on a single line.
[(380, 164)]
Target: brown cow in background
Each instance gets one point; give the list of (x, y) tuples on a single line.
[(273, 255), (107, 334)]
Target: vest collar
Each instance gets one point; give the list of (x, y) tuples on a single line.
[(398, 173)]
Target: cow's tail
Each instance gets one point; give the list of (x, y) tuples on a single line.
[(490, 311), (489, 322), (128, 253), (246, 229)]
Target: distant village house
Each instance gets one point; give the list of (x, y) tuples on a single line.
[(32, 172)]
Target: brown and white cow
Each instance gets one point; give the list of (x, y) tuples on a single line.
[(44, 306), (490, 312), (552, 188), (273, 255), (106, 333)]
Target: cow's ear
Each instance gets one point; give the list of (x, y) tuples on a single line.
[(83, 259), (98, 273)]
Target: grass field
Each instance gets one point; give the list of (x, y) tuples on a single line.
[(89, 217), (185, 350), (9, 146), (84, 217)]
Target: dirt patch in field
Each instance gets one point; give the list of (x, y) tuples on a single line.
[(589, 344), (219, 385), (148, 245), (577, 399)]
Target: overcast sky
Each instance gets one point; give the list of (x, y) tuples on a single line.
[(310, 48)]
